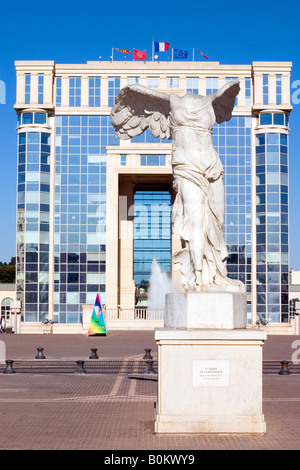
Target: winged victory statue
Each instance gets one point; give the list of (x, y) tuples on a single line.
[(198, 210)]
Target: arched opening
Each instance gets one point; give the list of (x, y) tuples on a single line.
[(5, 308)]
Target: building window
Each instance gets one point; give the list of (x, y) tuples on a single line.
[(172, 82), (123, 160), (230, 79), (192, 85), (276, 119), (94, 92), (27, 118), (132, 80), (265, 89), (153, 82), (40, 118), (211, 85), (153, 160), (278, 89), (27, 88), (40, 88), (248, 92), (5, 308), (33, 118), (75, 92), (58, 92), (114, 84)]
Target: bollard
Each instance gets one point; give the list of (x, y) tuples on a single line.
[(93, 354), (40, 354), (284, 368), (80, 368), (9, 368), (149, 368), (148, 354)]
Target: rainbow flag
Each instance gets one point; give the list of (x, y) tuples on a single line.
[(97, 324)]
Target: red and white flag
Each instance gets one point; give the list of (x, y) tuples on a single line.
[(139, 55)]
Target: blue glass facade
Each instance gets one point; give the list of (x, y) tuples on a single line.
[(80, 208), (33, 207), (152, 232), (232, 141), (272, 226), (61, 218)]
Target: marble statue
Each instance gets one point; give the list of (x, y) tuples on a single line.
[(198, 210)]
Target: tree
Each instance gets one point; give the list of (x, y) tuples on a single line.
[(8, 271)]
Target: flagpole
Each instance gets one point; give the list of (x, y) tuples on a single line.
[(193, 55), (112, 54), (152, 49), (172, 55)]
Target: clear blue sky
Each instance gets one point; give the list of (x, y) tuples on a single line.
[(231, 32)]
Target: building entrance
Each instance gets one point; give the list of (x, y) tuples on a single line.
[(151, 236)]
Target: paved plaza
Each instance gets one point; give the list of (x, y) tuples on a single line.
[(48, 405)]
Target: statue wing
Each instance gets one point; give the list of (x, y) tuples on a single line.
[(138, 108), (223, 100)]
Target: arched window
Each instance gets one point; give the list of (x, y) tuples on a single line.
[(5, 307)]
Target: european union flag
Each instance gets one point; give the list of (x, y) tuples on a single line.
[(179, 54)]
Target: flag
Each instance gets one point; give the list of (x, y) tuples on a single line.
[(97, 324), (202, 54), (124, 51), (161, 46), (139, 55), (179, 54)]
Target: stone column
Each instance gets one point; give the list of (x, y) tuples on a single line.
[(127, 285), (112, 235)]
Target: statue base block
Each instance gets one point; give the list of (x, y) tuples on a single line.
[(209, 381), (218, 309)]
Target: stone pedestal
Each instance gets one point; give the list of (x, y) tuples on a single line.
[(218, 309), (209, 378)]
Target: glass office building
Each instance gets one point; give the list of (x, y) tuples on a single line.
[(93, 212)]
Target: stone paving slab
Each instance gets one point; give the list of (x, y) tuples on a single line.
[(115, 412)]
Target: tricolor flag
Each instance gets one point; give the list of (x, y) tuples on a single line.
[(161, 46), (139, 55)]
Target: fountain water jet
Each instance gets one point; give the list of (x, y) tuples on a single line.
[(159, 286)]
